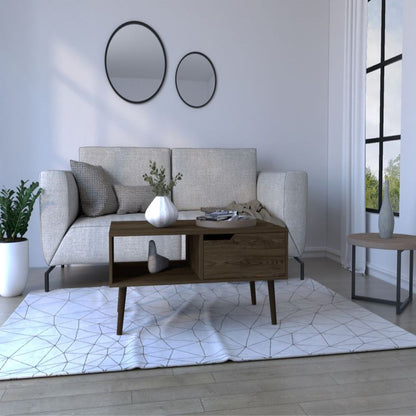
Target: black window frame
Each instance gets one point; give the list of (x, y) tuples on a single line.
[(381, 139)]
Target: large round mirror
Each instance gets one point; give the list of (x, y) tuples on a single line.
[(135, 62), (196, 79)]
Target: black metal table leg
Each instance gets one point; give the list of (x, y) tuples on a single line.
[(353, 273), (398, 243), (400, 305), (302, 267), (411, 275), (47, 278), (398, 280)]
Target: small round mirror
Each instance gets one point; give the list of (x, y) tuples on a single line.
[(135, 62), (196, 79)]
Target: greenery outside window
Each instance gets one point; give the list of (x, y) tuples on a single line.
[(383, 101)]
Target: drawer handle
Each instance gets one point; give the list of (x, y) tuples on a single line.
[(218, 236)]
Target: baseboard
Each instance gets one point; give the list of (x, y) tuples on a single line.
[(381, 273), (315, 252), (333, 254), (330, 253), (386, 275)]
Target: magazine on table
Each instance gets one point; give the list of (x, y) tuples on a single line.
[(221, 215)]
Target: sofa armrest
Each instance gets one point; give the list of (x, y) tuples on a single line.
[(59, 208), (285, 195)]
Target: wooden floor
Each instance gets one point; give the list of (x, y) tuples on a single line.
[(366, 383)]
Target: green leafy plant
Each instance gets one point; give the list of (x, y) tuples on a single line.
[(392, 173), (158, 181), (16, 207)]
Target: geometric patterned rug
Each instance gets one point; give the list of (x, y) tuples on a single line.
[(73, 331)]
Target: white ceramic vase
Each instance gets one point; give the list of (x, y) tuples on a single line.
[(14, 267), (386, 216), (161, 212)]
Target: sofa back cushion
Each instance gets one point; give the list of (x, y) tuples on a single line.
[(213, 177), (126, 165)]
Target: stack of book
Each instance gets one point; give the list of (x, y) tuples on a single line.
[(221, 218), (218, 215)]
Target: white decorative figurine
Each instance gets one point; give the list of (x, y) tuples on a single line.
[(156, 262)]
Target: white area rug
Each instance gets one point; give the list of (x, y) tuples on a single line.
[(73, 331)]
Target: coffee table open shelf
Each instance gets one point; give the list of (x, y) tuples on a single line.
[(212, 255)]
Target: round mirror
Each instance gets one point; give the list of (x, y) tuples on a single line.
[(196, 79), (135, 62)]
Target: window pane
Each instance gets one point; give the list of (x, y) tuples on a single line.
[(394, 28), (371, 175), (391, 170), (372, 105), (392, 99), (374, 33)]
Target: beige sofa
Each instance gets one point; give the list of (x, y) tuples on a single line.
[(211, 177)]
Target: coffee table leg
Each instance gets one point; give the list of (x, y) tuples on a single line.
[(253, 292), (272, 300), (120, 309)]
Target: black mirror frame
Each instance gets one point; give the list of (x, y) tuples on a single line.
[(215, 75), (136, 22)]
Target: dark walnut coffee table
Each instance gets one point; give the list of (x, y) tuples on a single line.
[(212, 255)]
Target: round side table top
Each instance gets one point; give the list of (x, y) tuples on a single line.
[(373, 240)]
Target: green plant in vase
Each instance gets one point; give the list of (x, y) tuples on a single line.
[(16, 208), (158, 181)]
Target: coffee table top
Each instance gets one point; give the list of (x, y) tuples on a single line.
[(185, 227), (373, 240)]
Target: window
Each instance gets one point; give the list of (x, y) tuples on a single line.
[(383, 101)]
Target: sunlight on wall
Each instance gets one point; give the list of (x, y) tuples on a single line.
[(85, 113)]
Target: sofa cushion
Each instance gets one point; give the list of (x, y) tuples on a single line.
[(126, 165), (96, 193), (87, 240), (133, 199), (213, 177)]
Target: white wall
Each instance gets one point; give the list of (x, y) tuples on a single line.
[(271, 58)]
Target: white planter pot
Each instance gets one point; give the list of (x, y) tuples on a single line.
[(161, 212), (14, 267)]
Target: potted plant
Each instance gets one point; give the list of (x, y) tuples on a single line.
[(161, 212), (16, 207)]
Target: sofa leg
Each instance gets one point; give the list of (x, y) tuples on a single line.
[(302, 268), (47, 278), (253, 292)]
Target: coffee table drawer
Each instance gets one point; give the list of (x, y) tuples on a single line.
[(236, 256)]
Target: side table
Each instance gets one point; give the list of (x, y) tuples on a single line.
[(398, 242)]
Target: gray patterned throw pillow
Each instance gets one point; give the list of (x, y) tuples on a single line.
[(133, 199), (146, 196), (96, 193)]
